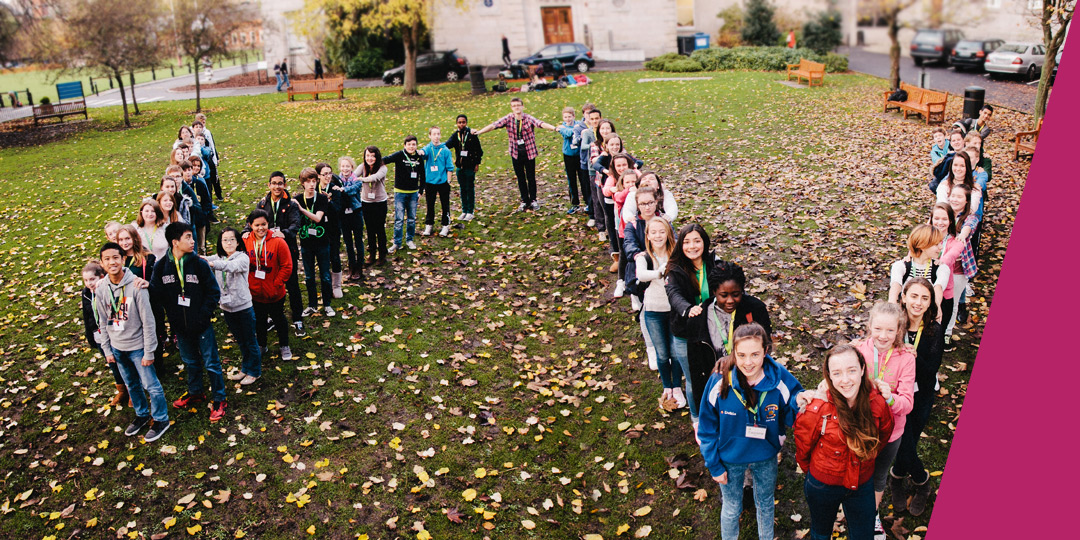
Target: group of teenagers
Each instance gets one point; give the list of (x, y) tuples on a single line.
[(855, 433)]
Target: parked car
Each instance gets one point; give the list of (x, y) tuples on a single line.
[(971, 54), (576, 55), (934, 45), (1024, 59), (432, 66), (1057, 62)]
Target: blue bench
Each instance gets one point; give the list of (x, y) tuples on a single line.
[(72, 91)]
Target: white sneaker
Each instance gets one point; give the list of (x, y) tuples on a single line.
[(427, 230), (591, 223), (603, 236), (248, 379), (329, 311), (286, 354), (521, 207), (392, 249), (680, 397), (620, 288), (469, 216), (462, 217), (410, 244), (309, 311), (635, 303), (445, 231), (535, 205), (879, 530), (236, 375)]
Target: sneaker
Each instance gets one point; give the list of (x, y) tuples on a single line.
[(462, 216), (248, 379), (427, 230), (535, 205), (187, 400), (588, 210), (620, 288), (270, 325), (286, 354), (571, 211), (392, 249), (309, 311), (329, 311), (680, 397), (299, 329), (591, 223), (521, 207), (635, 303), (603, 236), (214, 206), (445, 231), (156, 431), (236, 375), (410, 244), (136, 425), (469, 216), (879, 529), (217, 412)]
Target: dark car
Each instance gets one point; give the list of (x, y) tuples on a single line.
[(575, 55), (432, 66), (934, 45), (971, 54)]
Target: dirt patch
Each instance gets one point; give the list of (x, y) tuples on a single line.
[(22, 133), (255, 78)]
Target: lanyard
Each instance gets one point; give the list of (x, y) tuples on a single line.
[(731, 329), (410, 162), (518, 126), (150, 240), (309, 206), (180, 273), (274, 204), (878, 370), (761, 398), (116, 304), (464, 136), (918, 336), (260, 253)]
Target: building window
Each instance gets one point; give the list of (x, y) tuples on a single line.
[(684, 12), (1035, 5), (993, 4)]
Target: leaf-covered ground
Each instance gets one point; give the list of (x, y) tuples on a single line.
[(484, 385)]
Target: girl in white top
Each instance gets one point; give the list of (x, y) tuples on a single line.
[(151, 225), (668, 209), (655, 326)]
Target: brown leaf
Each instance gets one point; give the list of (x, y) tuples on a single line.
[(454, 515)]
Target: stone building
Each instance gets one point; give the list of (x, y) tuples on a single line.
[(282, 39)]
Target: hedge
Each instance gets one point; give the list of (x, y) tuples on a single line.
[(750, 58)]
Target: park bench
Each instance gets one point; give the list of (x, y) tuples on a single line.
[(928, 103), (808, 70), (1021, 144), (318, 86), (69, 90)]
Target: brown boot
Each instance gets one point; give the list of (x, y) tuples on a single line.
[(120, 397), (919, 497), (615, 265), (898, 487)]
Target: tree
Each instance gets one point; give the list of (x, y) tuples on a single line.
[(350, 47), (1054, 18), (201, 30), (760, 28), (823, 34), (9, 29)]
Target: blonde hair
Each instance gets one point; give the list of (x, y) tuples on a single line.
[(111, 225), (569, 110), (922, 237), (669, 238), (348, 160), (893, 310)]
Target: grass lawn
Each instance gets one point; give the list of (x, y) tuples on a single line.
[(484, 385)]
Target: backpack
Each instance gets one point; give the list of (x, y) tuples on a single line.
[(633, 285), (907, 271), (898, 96)]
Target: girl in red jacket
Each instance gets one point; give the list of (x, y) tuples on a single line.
[(836, 442), (271, 266)]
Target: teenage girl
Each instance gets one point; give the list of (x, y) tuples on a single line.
[(231, 266), (183, 204), (140, 261), (666, 205), (603, 129), (151, 225), (607, 172), (372, 174), (270, 267), (327, 182), (651, 265), (169, 207), (956, 222), (924, 245), (352, 226), (959, 172)]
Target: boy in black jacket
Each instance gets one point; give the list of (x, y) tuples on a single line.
[(285, 220), (468, 153), (185, 285)]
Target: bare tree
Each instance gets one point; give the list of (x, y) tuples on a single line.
[(201, 29), (1054, 19)]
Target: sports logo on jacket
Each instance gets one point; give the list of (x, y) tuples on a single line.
[(771, 411)]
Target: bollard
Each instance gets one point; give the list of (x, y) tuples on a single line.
[(153, 75), (172, 71), (29, 97)]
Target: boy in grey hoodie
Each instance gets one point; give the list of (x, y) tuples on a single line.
[(129, 340)]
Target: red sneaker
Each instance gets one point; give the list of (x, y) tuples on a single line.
[(188, 400), (217, 412)]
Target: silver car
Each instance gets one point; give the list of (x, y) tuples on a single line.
[(1024, 59)]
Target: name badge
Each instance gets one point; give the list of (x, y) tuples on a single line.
[(118, 325), (916, 388), (755, 432), (225, 299), (98, 336), (312, 232), (521, 141), (348, 210), (464, 153), (259, 274), (434, 168), (185, 302), (413, 174)]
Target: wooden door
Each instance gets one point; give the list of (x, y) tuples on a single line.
[(558, 26)]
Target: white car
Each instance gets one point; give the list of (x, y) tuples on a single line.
[(1025, 59)]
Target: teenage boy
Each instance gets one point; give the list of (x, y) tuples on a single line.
[(128, 339), (980, 125), (200, 197), (589, 136), (409, 178), (571, 161), (93, 274), (439, 172), (468, 153), (284, 221), (185, 285), (940, 148), (315, 242), (216, 158), (522, 138)]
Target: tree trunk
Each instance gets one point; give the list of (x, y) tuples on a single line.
[(894, 50), (133, 100), (198, 89), (411, 37), (1053, 41), (123, 98)]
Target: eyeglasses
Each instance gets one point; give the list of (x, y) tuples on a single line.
[(644, 204), (325, 174), (277, 183)]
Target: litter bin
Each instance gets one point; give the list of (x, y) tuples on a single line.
[(974, 96), (701, 41), (685, 44), (476, 78)]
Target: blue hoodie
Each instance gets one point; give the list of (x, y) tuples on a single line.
[(722, 422), (439, 162), (567, 132)]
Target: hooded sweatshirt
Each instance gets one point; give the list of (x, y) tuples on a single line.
[(232, 276), (124, 312), (189, 299), (722, 422), (439, 162), (899, 372), (273, 262)]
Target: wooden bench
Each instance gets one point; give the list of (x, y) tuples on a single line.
[(808, 70), (929, 103), (1020, 143), (318, 86), (69, 90)]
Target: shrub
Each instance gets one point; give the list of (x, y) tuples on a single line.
[(673, 62), (757, 59), (730, 34), (45, 100), (836, 63), (368, 63), (759, 27), (822, 34)]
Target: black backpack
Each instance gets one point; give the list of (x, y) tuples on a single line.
[(907, 271), (898, 96), (633, 285)]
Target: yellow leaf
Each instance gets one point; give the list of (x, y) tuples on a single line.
[(423, 535), (287, 458), (528, 524), (170, 522), (240, 533), (310, 355), (469, 494), (311, 529), (481, 472), (622, 528), (593, 537), (92, 522), (643, 511), (193, 530)]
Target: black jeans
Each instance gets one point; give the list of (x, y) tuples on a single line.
[(320, 254), (296, 302), (375, 220), (215, 183), (525, 170), (442, 191), (333, 236), (907, 456), (352, 231), (612, 227), (575, 177), (276, 311), (597, 198)]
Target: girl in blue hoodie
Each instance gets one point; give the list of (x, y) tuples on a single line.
[(748, 404)]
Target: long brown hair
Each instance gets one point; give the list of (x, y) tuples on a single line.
[(857, 423), (727, 365), (138, 251), (174, 215)]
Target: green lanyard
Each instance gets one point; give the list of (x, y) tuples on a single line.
[(410, 161), (878, 370), (761, 398), (116, 304), (180, 273), (274, 204), (731, 328), (703, 283), (260, 254)]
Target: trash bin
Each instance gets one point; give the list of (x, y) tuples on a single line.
[(701, 41), (476, 78), (685, 44), (974, 96)]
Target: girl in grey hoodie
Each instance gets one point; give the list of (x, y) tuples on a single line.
[(230, 267)]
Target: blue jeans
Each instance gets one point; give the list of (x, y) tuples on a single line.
[(405, 203), (764, 487), (678, 351), (824, 500), (141, 380), (242, 325), (198, 352), (658, 333), (310, 254), (279, 81)]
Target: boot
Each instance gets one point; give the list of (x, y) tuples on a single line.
[(353, 274), (919, 497), (120, 397), (614, 265), (335, 280), (898, 487)]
